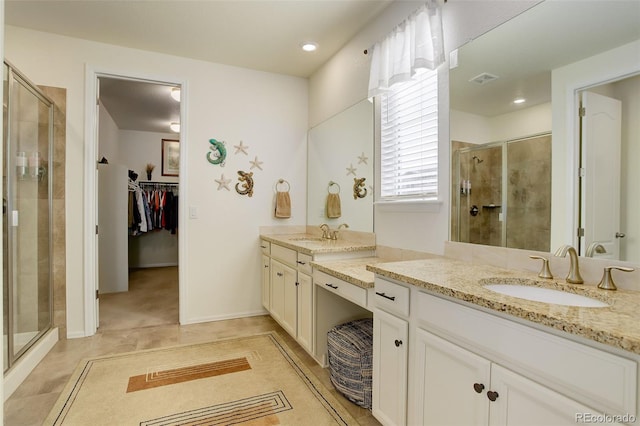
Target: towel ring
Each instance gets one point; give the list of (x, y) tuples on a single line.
[(280, 182), (331, 183)]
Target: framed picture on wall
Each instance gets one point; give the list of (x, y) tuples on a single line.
[(170, 157)]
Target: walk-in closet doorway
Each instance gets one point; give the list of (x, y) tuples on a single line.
[(138, 185)]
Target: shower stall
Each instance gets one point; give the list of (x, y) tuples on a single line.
[(26, 205), (501, 193)]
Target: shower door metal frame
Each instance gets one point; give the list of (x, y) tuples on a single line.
[(13, 76)]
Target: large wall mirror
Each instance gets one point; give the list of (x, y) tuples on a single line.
[(503, 175), (340, 170)]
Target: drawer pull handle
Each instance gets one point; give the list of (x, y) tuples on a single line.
[(478, 387), (301, 263), (492, 395), (279, 274), (392, 298), (266, 266), (335, 287), (398, 343), (263, 246)]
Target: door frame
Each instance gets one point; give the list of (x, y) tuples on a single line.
[(565, 161), (90, 260)]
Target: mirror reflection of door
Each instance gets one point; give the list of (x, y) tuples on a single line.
[(609, 194), (600, 210)]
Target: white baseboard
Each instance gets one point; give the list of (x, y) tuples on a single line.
[(154, 265), (28, 362), (224, 317)]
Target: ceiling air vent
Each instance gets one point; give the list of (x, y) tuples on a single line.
[(483, 78)]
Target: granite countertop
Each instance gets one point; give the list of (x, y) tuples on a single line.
[(617, 325), (312, 244), (353, 271)]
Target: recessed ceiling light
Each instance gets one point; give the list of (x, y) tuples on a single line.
[(175, 93), (519, 101), (175, 127), (309, 46)]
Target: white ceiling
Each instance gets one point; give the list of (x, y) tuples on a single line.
[(263, 35), (523, 51)]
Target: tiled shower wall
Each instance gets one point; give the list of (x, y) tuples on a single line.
[(528, 194), (58, 257)]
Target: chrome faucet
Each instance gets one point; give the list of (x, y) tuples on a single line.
[(594, 248), (325, 230), (574, 269)]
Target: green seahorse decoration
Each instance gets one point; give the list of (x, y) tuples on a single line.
[(247, 183), (219, 152)]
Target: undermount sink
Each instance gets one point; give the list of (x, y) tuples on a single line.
[(546, 295), (307, 239)]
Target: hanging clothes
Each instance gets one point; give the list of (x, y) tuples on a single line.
[(153, 208)]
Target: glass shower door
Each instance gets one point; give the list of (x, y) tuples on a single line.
[(27, 215)]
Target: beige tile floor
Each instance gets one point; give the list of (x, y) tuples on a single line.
[(130, 322)]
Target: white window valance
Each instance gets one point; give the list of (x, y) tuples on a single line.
[(414, 44)]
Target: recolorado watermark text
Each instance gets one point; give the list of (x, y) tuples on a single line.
[(592, 418)]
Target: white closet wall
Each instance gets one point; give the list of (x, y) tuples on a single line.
[(113, 268)]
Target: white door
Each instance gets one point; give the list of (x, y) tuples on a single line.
[(450, 384), (519, 401), (601, 139), (305, 311), (266, 283), (390, 342), (277, 290), (96, 190)]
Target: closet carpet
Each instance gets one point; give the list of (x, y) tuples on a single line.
[(152, 300), (35, 397)]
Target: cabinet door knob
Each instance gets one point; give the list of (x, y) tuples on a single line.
[(478, 387), (398, 343), (492, 395)]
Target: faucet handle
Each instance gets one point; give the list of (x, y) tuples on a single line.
[(545, 272), (606, 283), (325, 230)]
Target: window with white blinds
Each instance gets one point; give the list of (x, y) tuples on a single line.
[(409, 140)]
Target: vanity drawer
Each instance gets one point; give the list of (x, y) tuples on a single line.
[(304, 263), (391, 297), (353, 293), (284, 254), (265, 246), (591, 376)]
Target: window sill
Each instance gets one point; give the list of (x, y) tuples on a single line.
[(426, 206)]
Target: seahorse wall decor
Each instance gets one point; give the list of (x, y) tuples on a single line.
[(246, 178), (219, 151), (359, 191)]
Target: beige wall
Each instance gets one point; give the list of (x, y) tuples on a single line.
[(221, 266)]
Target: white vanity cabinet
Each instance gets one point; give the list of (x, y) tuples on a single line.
[(390, 352), (473, 368), (455, 386), (290, 293)]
